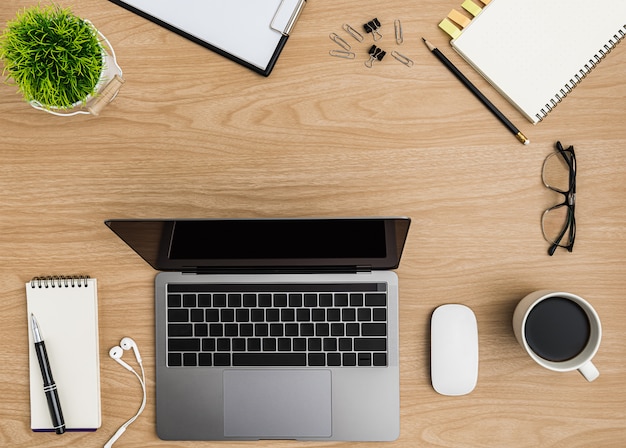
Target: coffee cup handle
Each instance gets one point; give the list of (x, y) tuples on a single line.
[(589, 371)]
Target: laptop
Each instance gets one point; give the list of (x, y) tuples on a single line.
[(274, 328)]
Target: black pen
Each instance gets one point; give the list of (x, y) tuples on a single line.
[(472, 88), (49, 386)]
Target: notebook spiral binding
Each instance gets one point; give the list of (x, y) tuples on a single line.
[(60, 281), (582, 73)]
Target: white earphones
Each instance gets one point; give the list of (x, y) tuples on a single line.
[(116, 354)]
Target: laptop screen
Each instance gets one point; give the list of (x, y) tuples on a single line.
[(318, 244)]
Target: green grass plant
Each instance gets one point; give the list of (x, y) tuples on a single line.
[(53, 56)]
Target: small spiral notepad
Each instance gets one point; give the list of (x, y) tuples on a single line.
[(535, 52), (66, 308)]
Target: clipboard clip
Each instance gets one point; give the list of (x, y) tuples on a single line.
[(287, 15)]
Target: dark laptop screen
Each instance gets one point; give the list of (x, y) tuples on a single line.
[(337, 243)]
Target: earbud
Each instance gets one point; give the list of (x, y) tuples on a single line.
[(127, 344), (116, 354)]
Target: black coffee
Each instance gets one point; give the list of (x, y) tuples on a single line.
[(557, 329)]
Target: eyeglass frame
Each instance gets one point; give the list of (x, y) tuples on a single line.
[(570, 200)]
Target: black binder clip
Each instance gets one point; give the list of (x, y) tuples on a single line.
[(372, 27), (376, 54)]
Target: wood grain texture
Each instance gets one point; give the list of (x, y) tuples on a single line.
[(192, 134)]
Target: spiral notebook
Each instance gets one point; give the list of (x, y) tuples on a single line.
[(534, 52), (66, 309)]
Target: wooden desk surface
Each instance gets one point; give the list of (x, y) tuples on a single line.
[(192, 134)]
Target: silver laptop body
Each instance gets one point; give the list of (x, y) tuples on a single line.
[(215, 384)]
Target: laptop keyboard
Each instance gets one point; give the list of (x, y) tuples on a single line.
[(277, 325)]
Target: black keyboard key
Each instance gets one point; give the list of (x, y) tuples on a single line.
[(326, 300), (216, 330), (288, 315), (204, 300), (364, 315), (353, 330), (269, 359), (249, 300), (333, 359), (307, 330), (183, 345), (337, 329), (269, 344), (257, 315), (291, 330), (284, 345), (242, 315), (315, 344), (370, 344), (379, 314), (317, 359), (375, 299), (341, 299), (356, 299), (310, 300), (234, 300), (212, 315), (208, 345), (318, 315), (231, 330), (174, 359), (221, 359), (239, 345), (272, 315), (365, 359), (295, 300), (197, 315), (374, 329), (174, 300), (265, 300), (190, 359), (333, 315), (349, 359), (189, 300), (180, 330), (330, 344), (280, 300), (200, 330), (322, 329), (303, 315), (261, 330), (205, 359), (348, 314), (379, 359), (276, 330), (254, 345), (219, 300), (178, 315), (246, 330), (227, 315)]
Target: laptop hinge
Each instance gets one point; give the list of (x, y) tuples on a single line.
[(279, 270)]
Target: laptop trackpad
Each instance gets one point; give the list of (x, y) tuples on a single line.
[(278, 404)]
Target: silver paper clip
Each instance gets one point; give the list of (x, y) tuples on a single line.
[(352, 32), (339, 41), (398, 28), (342, 54), (402, 58)]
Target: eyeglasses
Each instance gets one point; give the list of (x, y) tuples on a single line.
[(558, 223)]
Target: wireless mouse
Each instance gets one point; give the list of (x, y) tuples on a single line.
[(453, 350)]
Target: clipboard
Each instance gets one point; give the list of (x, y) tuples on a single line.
[(250, 32)]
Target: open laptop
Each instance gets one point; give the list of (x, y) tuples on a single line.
[(274, 328)]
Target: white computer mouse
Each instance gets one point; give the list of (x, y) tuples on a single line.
[(453, 350)]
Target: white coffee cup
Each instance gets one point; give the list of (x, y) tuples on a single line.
[(555, 335)]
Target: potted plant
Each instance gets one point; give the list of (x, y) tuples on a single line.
[(56, 59)]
